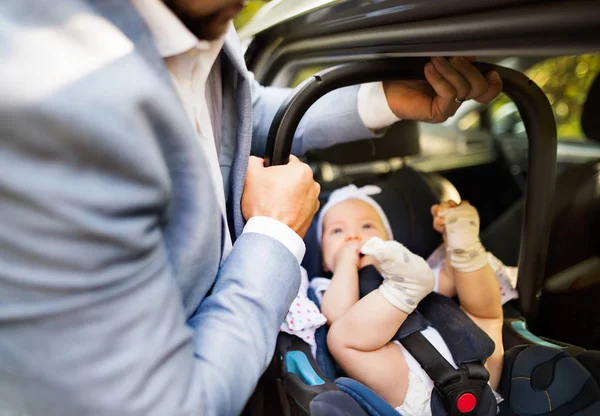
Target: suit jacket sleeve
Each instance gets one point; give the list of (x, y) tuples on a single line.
[(91, 315), (234, 326), (91, 318), (331, 120)]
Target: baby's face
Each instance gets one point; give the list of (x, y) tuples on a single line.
[(350, 221)]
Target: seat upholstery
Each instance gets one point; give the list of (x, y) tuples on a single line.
[(569, 315), (335, 403), (369, 400), (538, 380), (577, 205), (399, 140)]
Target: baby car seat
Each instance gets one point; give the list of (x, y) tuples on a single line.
[(539, 377)]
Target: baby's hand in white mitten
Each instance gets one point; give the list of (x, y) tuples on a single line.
[(462, 237), (408, 278)]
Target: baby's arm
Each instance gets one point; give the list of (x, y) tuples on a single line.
[(446, 284), (342, 293), (476, 284), (360, 339), (467, 266)]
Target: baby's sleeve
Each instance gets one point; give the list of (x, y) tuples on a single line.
[(304, 317)]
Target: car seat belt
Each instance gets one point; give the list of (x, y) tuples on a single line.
[(461, 389)]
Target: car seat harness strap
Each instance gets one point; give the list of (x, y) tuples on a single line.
[(461, 389)]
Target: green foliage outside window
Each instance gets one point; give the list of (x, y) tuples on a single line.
[(305, 73), (247, 13), (565, 81)]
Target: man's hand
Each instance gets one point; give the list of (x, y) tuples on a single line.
[(287, 193), (449, 82)]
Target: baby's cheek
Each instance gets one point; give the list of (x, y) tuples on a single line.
[(374, 233), (328, 255)]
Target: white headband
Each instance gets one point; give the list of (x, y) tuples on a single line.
[(352, 192)]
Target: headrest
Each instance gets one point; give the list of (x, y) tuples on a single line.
[(400, 140), (590, 120), (406, 197)]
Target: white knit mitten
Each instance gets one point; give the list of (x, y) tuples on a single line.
[(407, 277), (462, 236)]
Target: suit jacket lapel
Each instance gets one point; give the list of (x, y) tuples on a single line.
[(233, 52), (191, 238)]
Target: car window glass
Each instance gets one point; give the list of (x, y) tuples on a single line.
[(565, 80)]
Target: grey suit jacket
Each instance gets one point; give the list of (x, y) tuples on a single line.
[(110, 236)]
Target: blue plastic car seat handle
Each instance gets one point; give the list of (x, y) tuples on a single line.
[(297, 363)]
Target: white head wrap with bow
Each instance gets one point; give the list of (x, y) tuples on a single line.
[(353, 192)]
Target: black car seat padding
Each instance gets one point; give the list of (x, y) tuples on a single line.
[(399, 140), (539, 380), (335, 403), (590, 122)]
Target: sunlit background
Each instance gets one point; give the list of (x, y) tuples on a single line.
[(245, 15), (565, 80)]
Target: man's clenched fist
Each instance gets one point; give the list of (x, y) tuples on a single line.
[(287, 193)]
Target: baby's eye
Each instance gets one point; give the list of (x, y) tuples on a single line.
[(335, 231), (367, 226)]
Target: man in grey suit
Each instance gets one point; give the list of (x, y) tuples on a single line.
[(129, 205)]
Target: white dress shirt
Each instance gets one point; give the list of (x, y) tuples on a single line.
[(196, 74)]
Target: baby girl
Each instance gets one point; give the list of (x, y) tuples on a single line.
[(354, 232)]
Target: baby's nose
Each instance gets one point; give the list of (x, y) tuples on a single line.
[(352, 237)]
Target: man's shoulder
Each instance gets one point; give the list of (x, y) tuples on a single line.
[(73, 85), (48, 46), (66, 60)]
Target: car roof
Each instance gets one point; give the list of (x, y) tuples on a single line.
[(344, 15), (310, 30)]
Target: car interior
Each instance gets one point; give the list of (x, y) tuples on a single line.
[(568, 280), (572, 276), (485, 154)]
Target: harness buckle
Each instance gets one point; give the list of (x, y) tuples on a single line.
[(462, 391)]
